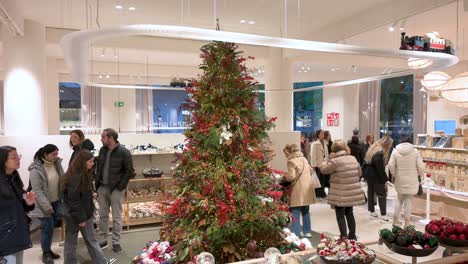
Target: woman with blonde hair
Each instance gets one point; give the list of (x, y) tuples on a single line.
[(376, 157), (302, 192), (345, 188)]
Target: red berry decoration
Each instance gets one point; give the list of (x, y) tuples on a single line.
[(462, 237), (453, 237), (427, 246)]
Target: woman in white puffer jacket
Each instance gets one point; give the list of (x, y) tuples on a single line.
[(407, 166)]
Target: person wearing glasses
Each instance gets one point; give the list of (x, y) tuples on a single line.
[(45, 173), (15, 202)]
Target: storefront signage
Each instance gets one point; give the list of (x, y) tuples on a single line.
[(333, 119)]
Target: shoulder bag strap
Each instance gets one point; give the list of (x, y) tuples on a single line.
[(303, 167)]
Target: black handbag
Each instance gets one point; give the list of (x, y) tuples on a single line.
[(63, 210), (420, 189)]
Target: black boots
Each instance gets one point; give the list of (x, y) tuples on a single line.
[(48, 257)]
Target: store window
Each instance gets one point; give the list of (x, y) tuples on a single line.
[(396, 107), (70, 106), (169, 116), (260, 100), (308, 108)]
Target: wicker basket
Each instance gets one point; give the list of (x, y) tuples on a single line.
[(452, 242), (412, 252)]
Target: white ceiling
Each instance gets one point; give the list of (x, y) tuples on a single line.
[(302, 15), (306, 19)]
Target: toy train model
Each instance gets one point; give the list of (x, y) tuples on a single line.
[(430, 43)]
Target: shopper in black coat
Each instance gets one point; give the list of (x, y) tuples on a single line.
[(78, 197), (114, 170), (78, 142), (376, 158), (14, 204), (357, 149)]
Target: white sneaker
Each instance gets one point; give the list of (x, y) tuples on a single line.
[(308, 235), (374, 214), (384, 218), (301, 234)]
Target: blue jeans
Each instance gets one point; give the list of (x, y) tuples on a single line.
[(296, 224), (47, 229), (16, 258)]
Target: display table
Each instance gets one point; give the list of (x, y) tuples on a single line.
[(442, 206), (385, 255)]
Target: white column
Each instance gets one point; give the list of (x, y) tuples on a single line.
[(24, 93), (52, 91), (279, 102)]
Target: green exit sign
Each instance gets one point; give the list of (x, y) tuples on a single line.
[(119, 104)]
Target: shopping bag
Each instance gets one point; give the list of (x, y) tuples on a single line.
[(315, 179)]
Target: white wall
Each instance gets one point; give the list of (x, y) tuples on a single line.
[(120, 118), (345, 101), (442, 110), (27, 146)]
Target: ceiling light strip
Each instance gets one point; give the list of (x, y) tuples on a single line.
[(75, 45)]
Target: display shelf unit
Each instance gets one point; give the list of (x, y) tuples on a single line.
[(148, 190), (459, 163), (448, 168)]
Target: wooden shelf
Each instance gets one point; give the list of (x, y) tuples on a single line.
[(443, 149), (144, 199), (453, 162), (144, 220), (154, 153), (163, 178)]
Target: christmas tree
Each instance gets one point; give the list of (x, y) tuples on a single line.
[(225, 203)]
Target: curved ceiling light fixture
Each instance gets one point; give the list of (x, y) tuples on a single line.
[(75, 46), (456, 90), (435, 80)]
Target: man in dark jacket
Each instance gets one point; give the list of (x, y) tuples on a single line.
[(114, 170)]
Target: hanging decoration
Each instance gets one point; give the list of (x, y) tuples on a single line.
[(435, 80), (456, 90)]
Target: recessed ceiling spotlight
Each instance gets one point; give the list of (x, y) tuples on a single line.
[(333, 69), (391, 29), (132, 8), (243, 21), (251, 22), (118, 7), (107, 76), (402, 82)]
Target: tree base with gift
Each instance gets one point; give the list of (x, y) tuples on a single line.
[(224, 200)]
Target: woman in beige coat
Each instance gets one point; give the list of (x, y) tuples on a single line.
[(345, 189), (318, 153), (302, 192)]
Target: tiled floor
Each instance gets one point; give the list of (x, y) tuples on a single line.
[(322, 216)]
